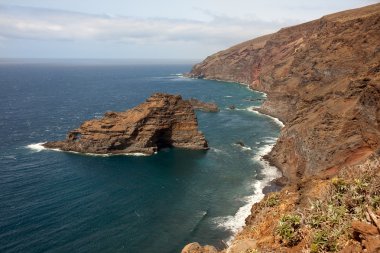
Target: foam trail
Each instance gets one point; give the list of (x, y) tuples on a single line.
[(276, 120), (245, 148), (38, 147), (236, 223)]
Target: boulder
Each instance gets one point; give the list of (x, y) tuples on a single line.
[(203, 106)]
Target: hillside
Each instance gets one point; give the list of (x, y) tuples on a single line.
[(323, 81)]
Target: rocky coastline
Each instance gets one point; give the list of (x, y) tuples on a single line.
[(163, 121), (322, 79)]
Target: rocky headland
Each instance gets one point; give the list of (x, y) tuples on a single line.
[(322, 79), (162, 121)]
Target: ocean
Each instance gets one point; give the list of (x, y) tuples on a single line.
[(62, 202)]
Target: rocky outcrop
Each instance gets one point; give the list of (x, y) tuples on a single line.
[(162, 121), (323, 81), (203, 106), (197, 248)]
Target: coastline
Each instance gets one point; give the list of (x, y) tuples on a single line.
[(322, 148), (272, 175)]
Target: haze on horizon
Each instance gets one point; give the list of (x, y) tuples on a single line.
[(120, 29)]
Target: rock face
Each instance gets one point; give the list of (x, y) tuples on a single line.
[(162, 121), (323, 81), (203, 106)]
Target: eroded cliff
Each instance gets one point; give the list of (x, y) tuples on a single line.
[(322, 79), (162, 121)]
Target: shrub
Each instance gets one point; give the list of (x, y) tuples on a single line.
[(272, 200), (288, 229)]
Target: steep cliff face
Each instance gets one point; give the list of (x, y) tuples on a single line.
[(322, 79), (162, 121)]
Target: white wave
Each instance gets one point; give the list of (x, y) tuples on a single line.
[(10, 157), (276, 120), (262, 93), (217, 150), (180, 78), (236, 223), (245, 148), (228, 96), (269, 140), (38, 147)]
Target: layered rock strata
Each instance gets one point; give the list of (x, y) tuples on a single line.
[(323, 81), (162, 121)]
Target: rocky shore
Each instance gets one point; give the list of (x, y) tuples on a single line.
[(162, 121), (323, 81)]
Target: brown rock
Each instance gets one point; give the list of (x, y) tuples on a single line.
[(323, 81), (243, 245), (197, 248), (352, 247), (364, 228), (162, 121), (369, 235), (203, 106), (372, 244)]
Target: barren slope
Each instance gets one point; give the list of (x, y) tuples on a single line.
[(322, 80)]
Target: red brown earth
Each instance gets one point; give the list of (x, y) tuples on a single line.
[(162, 121), (323, 81)]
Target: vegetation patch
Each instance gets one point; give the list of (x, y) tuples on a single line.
[(328, 220), (272, 200), (289, 229)]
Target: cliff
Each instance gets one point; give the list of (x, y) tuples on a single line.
[(323, 81), (162, 121)]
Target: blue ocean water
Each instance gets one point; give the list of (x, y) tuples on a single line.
[(61, 202)]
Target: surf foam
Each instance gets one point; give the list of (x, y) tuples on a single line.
[(38, 147), (236, 223), (276, 120)]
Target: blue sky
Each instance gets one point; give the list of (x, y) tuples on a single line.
[(146, 29)]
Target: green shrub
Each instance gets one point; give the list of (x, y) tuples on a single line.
[(323, 241), (375, 201), (272, 200), (288, 229), (340, 185)]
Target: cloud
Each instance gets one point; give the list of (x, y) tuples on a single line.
[(56, 25)]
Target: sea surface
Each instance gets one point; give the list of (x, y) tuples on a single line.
[(62, 202)]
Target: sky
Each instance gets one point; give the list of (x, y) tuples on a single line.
[(147, 29)]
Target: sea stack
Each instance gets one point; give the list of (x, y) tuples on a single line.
[(162, 121)]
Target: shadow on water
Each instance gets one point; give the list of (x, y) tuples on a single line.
[(167, 162)]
